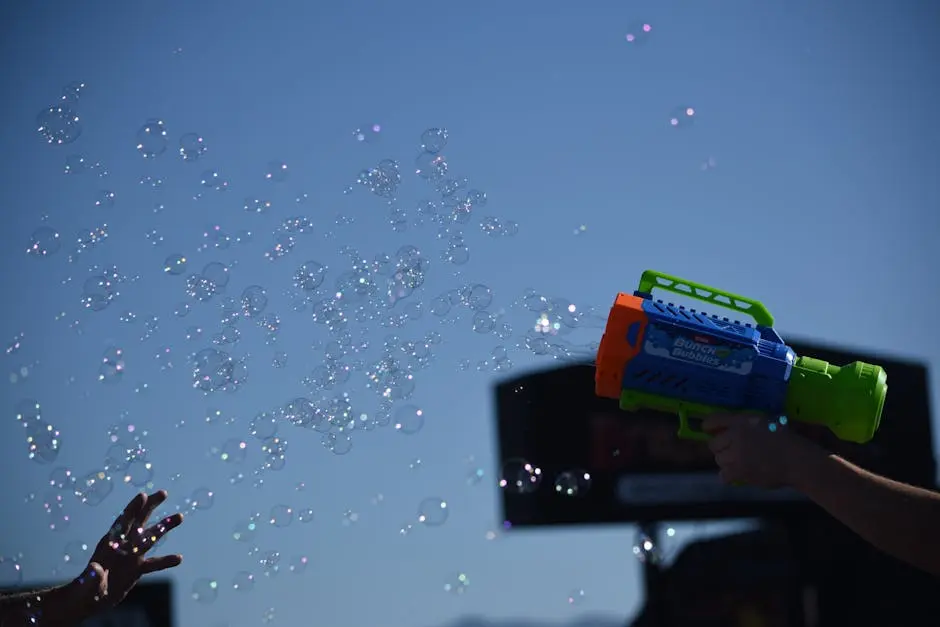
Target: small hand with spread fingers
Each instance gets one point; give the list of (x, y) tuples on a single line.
[(121, 557), (119, 561)]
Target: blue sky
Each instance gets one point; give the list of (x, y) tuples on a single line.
[(806, 179)]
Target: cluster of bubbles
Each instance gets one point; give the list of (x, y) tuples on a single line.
[(385, 291), (519, 476), (153, 140)]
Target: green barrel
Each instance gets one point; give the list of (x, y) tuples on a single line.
[(847, 399)]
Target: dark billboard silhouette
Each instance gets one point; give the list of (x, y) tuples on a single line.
[(801, 569), (149, 604), (810, 573), (639, 470)]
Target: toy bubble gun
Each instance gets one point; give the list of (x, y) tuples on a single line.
[(671, 358)]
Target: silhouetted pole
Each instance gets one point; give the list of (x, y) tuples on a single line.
[(652, 577)]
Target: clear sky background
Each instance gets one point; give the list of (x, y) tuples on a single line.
[(807, 179)]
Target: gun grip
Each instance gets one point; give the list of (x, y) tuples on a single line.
[(686, 431)]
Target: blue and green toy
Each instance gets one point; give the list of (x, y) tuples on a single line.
[(675, 359)]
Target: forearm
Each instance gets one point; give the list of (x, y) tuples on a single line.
[(50, 607), (897, 518)]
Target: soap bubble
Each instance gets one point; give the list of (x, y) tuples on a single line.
[(645, 550), (270, 562), (382, 180), (61, 478), (192, 147), (75, 164), (200, 499), (58, 125), (139, 473), (234, 451), (520, 477), (254, 299), (216, 273), (638, 33), (256, 205), (205, 590), (434, 140), (409, 419), (681, 117), (97, 293), (72, 92), (276, 171), (43, 242), (274, 450), (309, 276), (175, 265), (368, 133), (337, 443), (94, 488), (243, 581), (11, 572), (245, 531), (151, 139), (572, 483), (112, 365), (433, 512), (475, 475), (105, 198), (478, 297), (42, 440), (298, 564), (263, 425), (214, 370), (431, 166), (483, 322), (199, 287), (281, 516), (212, 179), (76, 552), (457, 584)]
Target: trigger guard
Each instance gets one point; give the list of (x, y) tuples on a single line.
[(685, 431)]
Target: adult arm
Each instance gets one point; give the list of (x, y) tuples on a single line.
[(900, 519)]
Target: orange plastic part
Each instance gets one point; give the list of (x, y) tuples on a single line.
[(615, 351)]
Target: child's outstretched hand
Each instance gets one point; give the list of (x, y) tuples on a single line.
[(122, 556), (753, 450), (119, 561)]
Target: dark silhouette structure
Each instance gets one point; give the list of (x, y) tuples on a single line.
[(149, 604), (802, 567)]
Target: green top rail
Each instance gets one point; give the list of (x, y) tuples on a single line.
[(653, 279)]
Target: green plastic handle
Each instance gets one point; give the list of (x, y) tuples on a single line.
[(686, 432), (749, 306)]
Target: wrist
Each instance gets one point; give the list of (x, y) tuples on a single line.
[(80, 594), (65, 605), (802, 462)]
